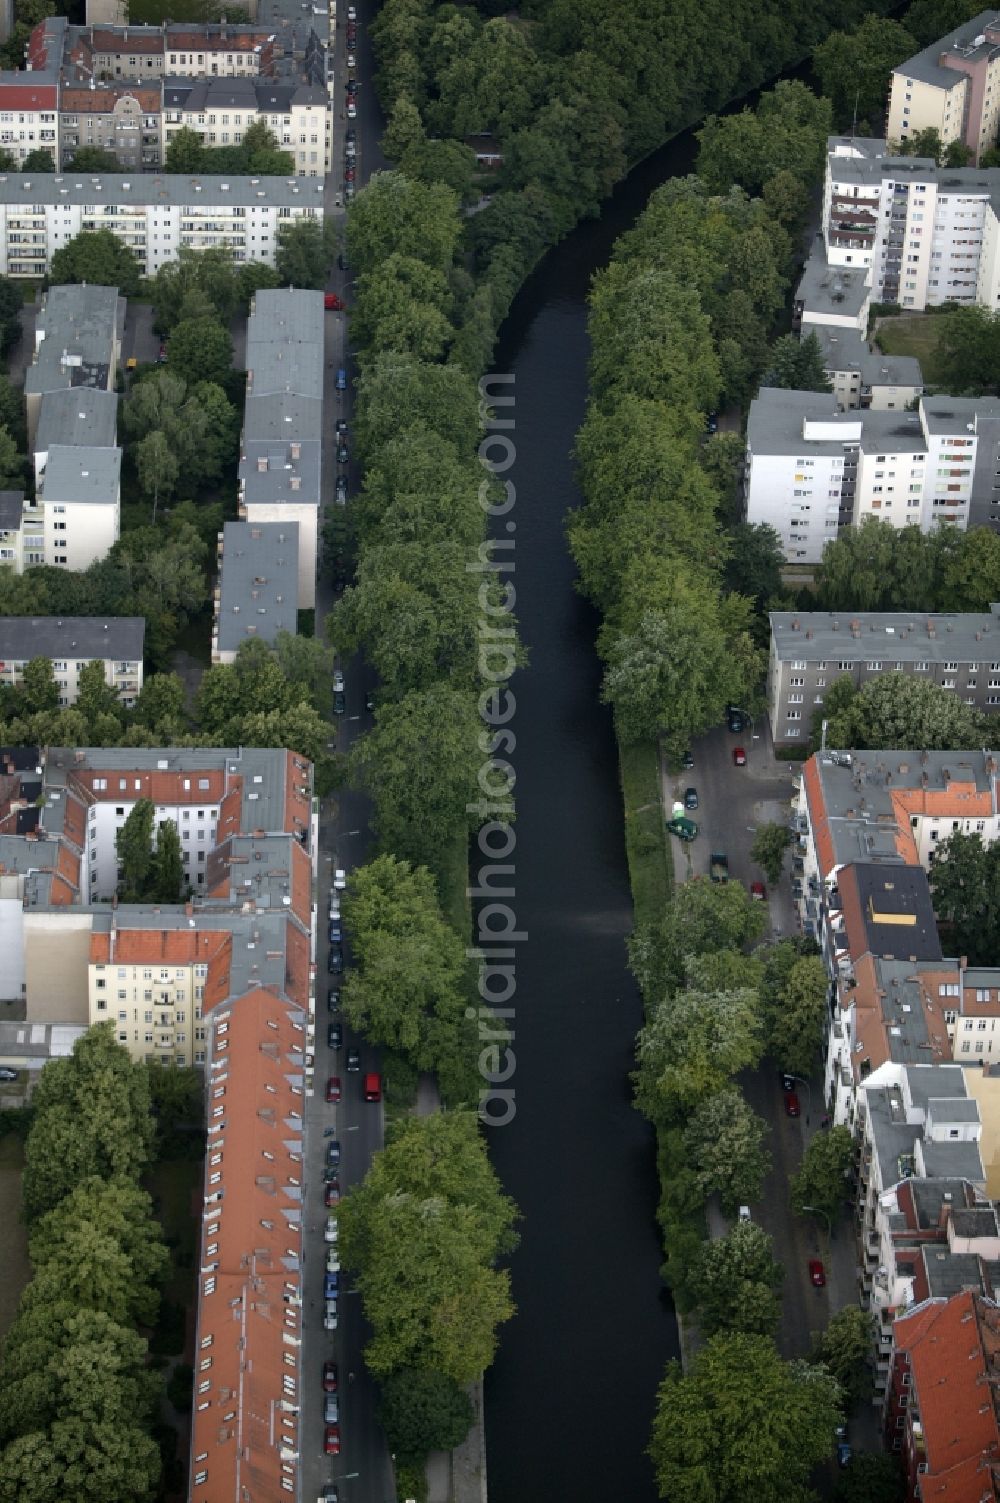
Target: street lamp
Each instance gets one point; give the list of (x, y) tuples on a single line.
[(818, 1211)]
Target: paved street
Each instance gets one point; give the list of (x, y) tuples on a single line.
[(732, 802), (363, 1470)]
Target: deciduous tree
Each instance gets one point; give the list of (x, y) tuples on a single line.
[(846, 1349), (725, 1141), (422, 1411), (692, 1046), (98, 257), (736, 1282), (770, 843), (821, 1183)]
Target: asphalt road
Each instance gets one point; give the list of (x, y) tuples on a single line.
[(363, 1470)]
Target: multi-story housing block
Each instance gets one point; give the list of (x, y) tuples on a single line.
[(281, 444), (940, 1413), (72, 642), (29, 113), (221, 110), (257, 593), (952, 86), (75, 516), (78, 335), (810, 650), (812, 469), (153, 215)]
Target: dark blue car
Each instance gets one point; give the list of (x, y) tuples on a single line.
[(331, 1285), (341, 379)]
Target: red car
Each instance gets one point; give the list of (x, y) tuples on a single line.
[(817, 1273), (371, 1088), (792, 1108), (329, 1377), (758, 891), (333, 1088), (331, 300), (331, 1193), (739, 757), (331, 1440)]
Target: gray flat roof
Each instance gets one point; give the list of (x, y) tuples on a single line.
[(937, 1085), (870, 170), (848, 350), (776, 420), (282, 415), (78, 325), (839, 291), (258, 582), (23, 637), (881, 636), (11, 507), (925, 65), (283, 366), (945, 414), (85, 475), (78, 417), (950, 1272), (284, 477), (287, 313), (165, 189)]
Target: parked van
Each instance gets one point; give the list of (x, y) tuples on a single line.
[(371, 1087)]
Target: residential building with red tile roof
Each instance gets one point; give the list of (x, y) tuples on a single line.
[(941, 1416), (245, 1440)]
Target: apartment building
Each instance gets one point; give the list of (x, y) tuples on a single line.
[(129, 89), (251, 1305), (221, 110), (810, 650), (247, 829), (921, 234), (75, 516), (78, 338), (29, 113), (257, 594), (71, 643), (813, 469), (952, 86), (153, 215), (281, 445), (941, 1416)]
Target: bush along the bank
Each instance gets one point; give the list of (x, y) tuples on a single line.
[(77, 1399)]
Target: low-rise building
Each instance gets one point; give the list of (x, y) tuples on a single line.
[(810, 650), (71, 643), (257, 595), (154, 215)]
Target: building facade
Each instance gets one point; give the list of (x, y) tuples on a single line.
[(952, 86), (71, 643), (155, 216), (810, 650)]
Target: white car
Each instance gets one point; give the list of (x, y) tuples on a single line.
[(352, 110), (338, 681), (330, 1318), (352, 12), (339, 879), (332, 1230), (333, 1259), (335, 905), (352, 61)]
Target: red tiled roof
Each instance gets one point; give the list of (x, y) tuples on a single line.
[(28, 96), (124, 42), (953, 1346), (157, 946), (245, 1437), (161, 787), (813, 785)]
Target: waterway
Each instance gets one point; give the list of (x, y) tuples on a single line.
[(570, 1398)]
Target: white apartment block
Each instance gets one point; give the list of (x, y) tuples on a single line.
[(71, 643), (153, 215), (812, 469), (952, 86), (221, 111)]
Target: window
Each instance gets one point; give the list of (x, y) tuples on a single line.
[(874, 667)]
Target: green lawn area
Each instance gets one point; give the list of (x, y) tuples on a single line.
[(650, 870), (916, 334), (13, 1237)]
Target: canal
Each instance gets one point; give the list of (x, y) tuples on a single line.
[(570, 1398)]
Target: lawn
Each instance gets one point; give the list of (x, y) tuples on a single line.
[(916, 334), (14, 1237), (650, 870), (172, 1184)]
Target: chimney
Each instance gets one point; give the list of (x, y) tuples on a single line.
[(795, 624), (963, 962), (189, 909), (855, 627)]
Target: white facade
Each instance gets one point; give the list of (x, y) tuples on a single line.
[(153, 216), (890, 487), (124, 675), (195, 825), (305, 131)]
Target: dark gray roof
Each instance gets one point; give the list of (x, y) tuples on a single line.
[(80, 417), (897, 911), (847, 350), (930, 1196), (75, 336), (284, 366), (79, 637), (926, 65), (159, 188), (949, 1272), (285, 416), (838, 291), (286, 472), (258, 582), (11, 507), (881, 636)]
